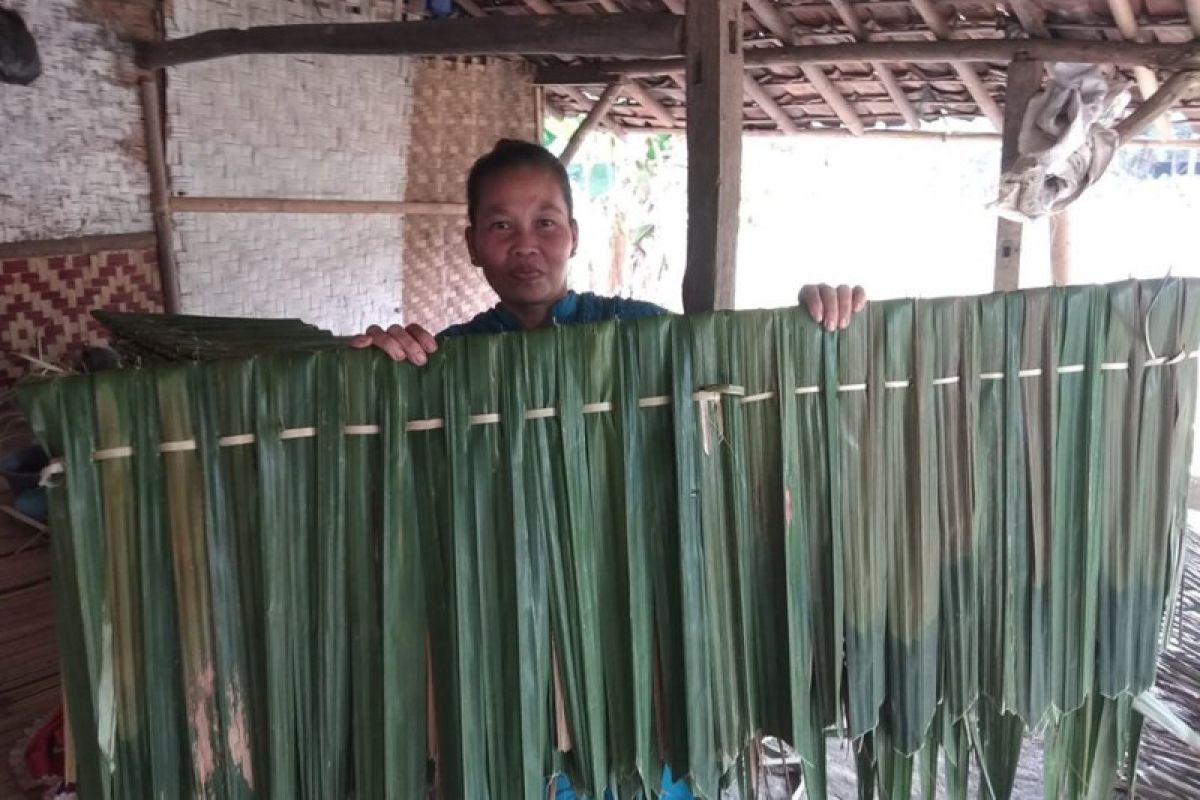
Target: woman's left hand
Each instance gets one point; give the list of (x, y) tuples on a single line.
[(832, 306)]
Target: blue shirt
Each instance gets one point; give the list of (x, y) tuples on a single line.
[(573, 309)]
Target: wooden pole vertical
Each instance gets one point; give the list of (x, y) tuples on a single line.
[(714, 131), (1060, 248), (1024, 79), (160, 196)]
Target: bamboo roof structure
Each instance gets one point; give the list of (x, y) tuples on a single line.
[(856, 96)]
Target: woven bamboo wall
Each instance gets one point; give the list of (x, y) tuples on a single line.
[(73, 158), (460, 109), (46, 305), (312, 127)]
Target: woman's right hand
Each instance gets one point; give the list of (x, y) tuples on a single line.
[(401, 343)]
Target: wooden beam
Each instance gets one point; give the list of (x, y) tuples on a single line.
[(649, 102), (966, 72), (901, 134), (599, 109), (622, 35), (1180, 56), (714, 131), (763, 100), (292, 205), (160, 190), (1193, 12), (769, 15), (471, 7), (882, 71), (1175, 89), (78, 245), (1032, 17), (1147, 82), (1024, 80)]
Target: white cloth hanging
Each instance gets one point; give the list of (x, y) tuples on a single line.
[(1066, 142)]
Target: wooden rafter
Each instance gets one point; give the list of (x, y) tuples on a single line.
[(1182, 56), (759, 95), (966, 73), (630, 88), (756, 92), (766, 11), (474, 10), (882, 71), (598, 110), (1178, 86), (1032, 17), (624, 35), (649, 102), (1127, 24)]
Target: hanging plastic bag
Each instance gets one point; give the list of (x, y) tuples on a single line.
[(1067, 141), (19, 61)]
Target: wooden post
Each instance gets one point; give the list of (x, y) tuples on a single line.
[(599, 109), (714, 132), (160, 195), (1060, 248), (1024, 79), (539, 113)]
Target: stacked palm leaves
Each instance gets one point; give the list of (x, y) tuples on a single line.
[(596, 550), (161, 338)]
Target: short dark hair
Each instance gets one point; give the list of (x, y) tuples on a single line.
[(510, 154)]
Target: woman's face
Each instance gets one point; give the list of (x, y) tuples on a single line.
[(523, 236)]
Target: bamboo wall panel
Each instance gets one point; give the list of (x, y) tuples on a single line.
[(955, 521)]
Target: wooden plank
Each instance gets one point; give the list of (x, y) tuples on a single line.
[(28, 660), (1177, 87), (78, 245), (622, 35), (21, 570), (295, 205), (714, 131), (1024, 79), (598, 110), (1177, 56), (160, 190)]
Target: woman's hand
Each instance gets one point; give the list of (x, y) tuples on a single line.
[(408, 343), (833, 307)]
